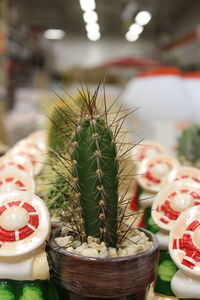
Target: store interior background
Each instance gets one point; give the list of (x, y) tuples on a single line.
[(37, 64)]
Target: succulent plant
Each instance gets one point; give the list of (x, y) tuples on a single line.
[(189, 145), (92, 172), (56, 198), (62, 117)]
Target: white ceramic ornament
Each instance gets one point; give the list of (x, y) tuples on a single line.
[(22, 163), (13, 179), (184, 244), (152, 171), (35, 154), (24, 229), (184, 247), (38, 138), (146, 149), (171, 201), (188, 175)]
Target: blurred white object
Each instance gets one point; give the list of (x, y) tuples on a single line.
[(192, 84), (164, 103), (22, 163), (12, 179)]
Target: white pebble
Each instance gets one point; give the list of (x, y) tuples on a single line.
[(112, 252), (63, 241), (89, 252), (103, 252), (70, 249)]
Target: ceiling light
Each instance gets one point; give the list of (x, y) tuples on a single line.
[(131, 37), (94, 36), (136, 28), (143, 17), (54, 34), (87, 4), (90, 27), (90, 17)]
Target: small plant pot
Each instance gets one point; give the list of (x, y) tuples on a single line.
[(103, 277)]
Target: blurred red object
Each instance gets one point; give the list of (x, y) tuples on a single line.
[(132, 62)]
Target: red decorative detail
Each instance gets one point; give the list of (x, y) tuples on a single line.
[(164, 220), (34, 220), (19, 166), (186, 177), (151, 178), (141, 223), (185, 243), (148, 174), (28, 207), (170, 213), (17, 182), (14, 203), (160, 72), (145, 149), (24, 232), (132, 62), (134, 200), (10, 179), (2, 208), (14, 235), (193, 225)]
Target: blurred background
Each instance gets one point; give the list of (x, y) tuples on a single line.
[(148, 50)]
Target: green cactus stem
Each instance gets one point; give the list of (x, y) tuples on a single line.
[(62, 117), (189, 145), (95, 170)]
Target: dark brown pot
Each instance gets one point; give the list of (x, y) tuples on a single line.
[(103, 277)]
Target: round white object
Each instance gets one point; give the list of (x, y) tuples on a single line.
[(184, 243), (35, 155), (39, 138), (22, 163), (153, 169), (13, 179), (146, 149), (171, 201), (14, 218), (24, 223), (184, 286), (187, 175)]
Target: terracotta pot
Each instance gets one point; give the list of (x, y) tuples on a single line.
[(103, 277)]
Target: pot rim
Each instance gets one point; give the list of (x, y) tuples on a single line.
[(54, 247)]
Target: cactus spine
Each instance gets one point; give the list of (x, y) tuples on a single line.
[(95, 169)]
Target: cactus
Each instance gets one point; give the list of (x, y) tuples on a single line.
[(62, 121), (64, 113), (56, 198), (189, 145), (95, 172)]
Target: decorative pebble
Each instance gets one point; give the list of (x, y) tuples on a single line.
[(63, 241), (136, 242)]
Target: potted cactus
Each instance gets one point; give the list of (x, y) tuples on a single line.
[(97, 254)]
